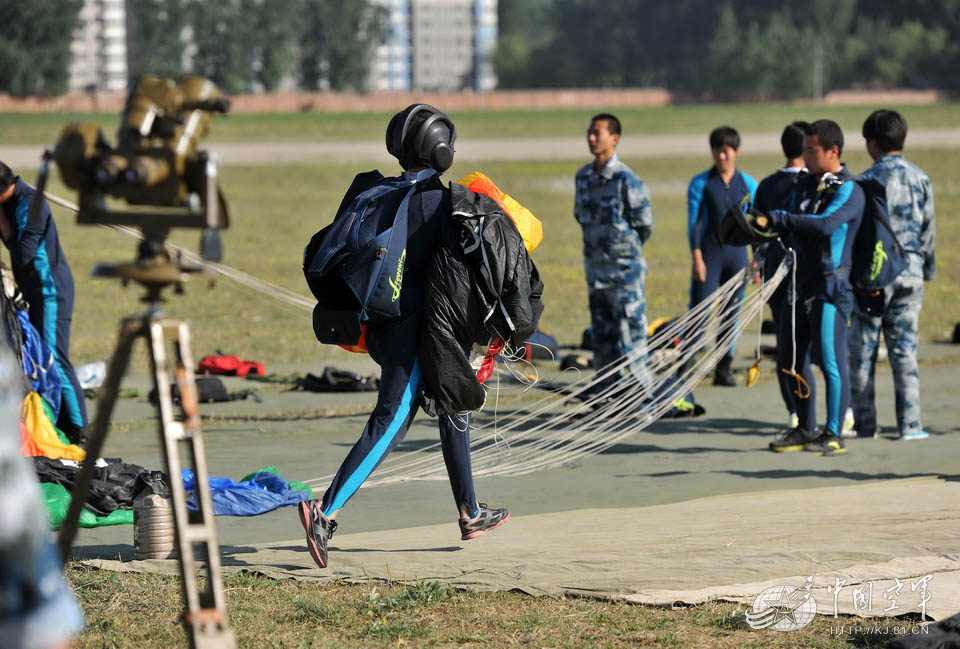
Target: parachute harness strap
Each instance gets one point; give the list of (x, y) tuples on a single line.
[(803, 388)]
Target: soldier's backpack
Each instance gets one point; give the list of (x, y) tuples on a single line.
[(878, 257), (354, 266)]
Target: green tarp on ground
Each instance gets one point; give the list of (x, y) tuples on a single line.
[(56, 501)]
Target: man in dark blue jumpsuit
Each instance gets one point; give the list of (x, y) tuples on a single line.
[(43, 276), (823, 216), (772, 194), (709, 196), (420, 141)]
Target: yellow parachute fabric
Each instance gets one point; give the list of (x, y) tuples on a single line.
[(530, 227), (44, 434)]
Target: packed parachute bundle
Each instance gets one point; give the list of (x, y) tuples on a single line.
[(482, 290)]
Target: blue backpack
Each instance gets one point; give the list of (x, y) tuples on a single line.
[(878, 257), (354, 266)]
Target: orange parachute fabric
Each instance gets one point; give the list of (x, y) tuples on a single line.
[(529, 226), (28, 447), (43, 434), (361, 346)]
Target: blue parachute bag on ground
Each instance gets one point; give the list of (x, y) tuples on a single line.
[(878, 257), (354, 266), (258, 493), (39, 365)]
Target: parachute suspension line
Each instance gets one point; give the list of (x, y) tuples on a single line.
[(597, 412), (236, 278), (404, 469), (591, 415), (803, 388)]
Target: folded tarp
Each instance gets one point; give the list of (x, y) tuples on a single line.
[(257, 493)]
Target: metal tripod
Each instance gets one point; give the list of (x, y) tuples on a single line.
[(205, 616)]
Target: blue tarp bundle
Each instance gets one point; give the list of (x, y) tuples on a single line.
[(257, 493)]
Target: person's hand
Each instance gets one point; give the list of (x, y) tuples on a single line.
[(761, 224), (755, 271), (699, 270), (758, 219)]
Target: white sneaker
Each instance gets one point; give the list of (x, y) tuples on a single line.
[(848, 430)]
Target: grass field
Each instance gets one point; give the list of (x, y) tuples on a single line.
[(42, 129), (141, 610)]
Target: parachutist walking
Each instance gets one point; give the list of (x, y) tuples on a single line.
[(421, 138)]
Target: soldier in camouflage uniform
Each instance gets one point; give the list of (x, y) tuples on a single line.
[(612, 206), (910, 205)]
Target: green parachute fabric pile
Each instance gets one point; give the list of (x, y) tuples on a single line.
[(56, 500)]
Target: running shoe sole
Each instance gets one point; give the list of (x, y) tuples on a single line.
[(830, 452), (303, 509), (473, 535), (785, 449)]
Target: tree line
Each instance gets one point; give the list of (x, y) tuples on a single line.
[(242, 45), (698, 49), (732, 49)]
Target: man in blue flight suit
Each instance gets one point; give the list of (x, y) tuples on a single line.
[(421, 138), (910, 206), (709, 196), (43, 276), (772, 193), (822, 218), (612, 205)]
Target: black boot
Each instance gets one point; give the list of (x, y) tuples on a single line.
[(723, 375)]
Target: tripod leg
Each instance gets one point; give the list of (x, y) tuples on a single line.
[(206, 617), (130, 330)]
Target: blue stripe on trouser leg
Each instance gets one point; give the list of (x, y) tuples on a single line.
[(373, 445), (55, 331), (455, 443), (833, 361), (394, 346), (73, 410)]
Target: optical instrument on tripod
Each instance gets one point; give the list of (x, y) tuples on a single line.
[(161, 181)]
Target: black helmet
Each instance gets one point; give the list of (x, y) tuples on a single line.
[(421, 134)]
